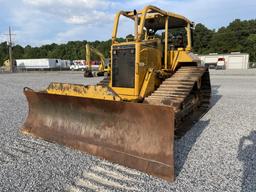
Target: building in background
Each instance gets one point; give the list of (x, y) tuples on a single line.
[(42, 64), (234, 60), (64, 64)]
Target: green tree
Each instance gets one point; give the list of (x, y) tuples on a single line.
[(202, 37), (252, 46), (237, 36), (3, 52)]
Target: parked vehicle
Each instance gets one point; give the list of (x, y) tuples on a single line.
[(77, 66), (220, 63)]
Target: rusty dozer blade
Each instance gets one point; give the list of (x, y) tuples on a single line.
[(135, 135)]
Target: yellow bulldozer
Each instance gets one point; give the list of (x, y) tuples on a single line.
[(102, 70), (156, 91)]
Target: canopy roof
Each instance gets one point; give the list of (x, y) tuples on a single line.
[(155, 18)]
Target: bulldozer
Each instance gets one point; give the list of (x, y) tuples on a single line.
[(155, 92), (102, 70)]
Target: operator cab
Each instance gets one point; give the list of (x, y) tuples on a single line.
[(159, 42)]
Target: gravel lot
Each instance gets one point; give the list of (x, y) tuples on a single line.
[(217, 154)]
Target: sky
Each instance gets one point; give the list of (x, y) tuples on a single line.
[(38, 22)]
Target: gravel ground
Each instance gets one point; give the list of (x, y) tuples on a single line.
[(217, 154)]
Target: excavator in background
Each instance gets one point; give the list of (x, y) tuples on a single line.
[(102, 70), (7, 67), (156, 91)]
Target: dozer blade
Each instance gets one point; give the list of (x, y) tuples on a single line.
[(139, 136)]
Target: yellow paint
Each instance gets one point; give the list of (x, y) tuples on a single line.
[(152, 57), (91, 91), (178, 57), (7, 66), (148, 83), (101, 68), (188, 30), (166, 43)]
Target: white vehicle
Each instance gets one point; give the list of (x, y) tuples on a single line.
[(77, 66), (220, 63)]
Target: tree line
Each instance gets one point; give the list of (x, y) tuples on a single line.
[(238, 36)]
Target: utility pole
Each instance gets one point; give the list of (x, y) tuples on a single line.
[(10, 44), (10, 49)]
